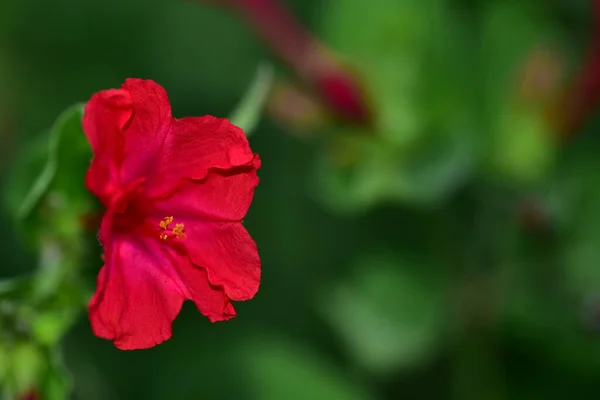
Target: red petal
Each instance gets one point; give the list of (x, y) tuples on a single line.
[(221, 196), (136, 300), (197, 144), (229, 255), (210, 300), (126, 128)]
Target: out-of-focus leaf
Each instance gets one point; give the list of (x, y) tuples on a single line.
[(56, 383), (50, 326), (388, 51), (421, 147), (577, 178), (52, 269), (521, 144), (57, 199), (26, 365), (68, 122), (15, 287), (550, 324), (362, 171), (505, 53), (524, 149), (4, 363), (278, 369), (248, 112), (582, 253), (24, 171), (390, 316)]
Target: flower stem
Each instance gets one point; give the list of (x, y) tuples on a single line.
[(337, 87)]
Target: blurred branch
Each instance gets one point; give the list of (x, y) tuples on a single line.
[(583, 94), (248, 111), (338, 88)]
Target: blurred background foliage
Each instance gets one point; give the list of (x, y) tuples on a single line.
[(445, 249)]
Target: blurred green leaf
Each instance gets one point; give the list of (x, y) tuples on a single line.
[(387, 50), (15, 287), (4, 363), (49, 327), (575, 183), (550, 323), (52, 269), (505, 50), (422, 146), (27, 365), (248, 112), (25, 170), (56, 384), (582, 253), (397, 50), (278, 369), (521, 145), (390, 316), (67, 126), (523, 149), (57, 199), (362, 171)]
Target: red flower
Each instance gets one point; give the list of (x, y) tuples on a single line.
[(176, 191)]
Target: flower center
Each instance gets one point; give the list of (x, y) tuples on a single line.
[(178, 231)]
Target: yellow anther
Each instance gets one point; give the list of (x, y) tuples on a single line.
[(178, 231), (164, 224)]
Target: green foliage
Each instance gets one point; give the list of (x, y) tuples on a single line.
[(390, 316), (277, 368), (361, 169), (26, 365), (48, 199)]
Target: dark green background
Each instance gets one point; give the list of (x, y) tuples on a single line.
[(397, 302)]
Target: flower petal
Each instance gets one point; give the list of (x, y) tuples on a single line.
[(197, 144), (126, 129), (210, 300), (136, 301), (223, 195), (229, 255)]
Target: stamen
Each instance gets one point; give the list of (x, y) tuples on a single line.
[(164, 224), (177, 231)]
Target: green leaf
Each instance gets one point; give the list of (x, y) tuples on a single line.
[(15, 287), (247, 114), (57, 199), (390, 51), (4, 363), (49, 327), (24, 171), (389, 316), (582, 253), (363, 170), (27, 365), (279, 369), (523, 147), (57, 382), (67, 124)]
